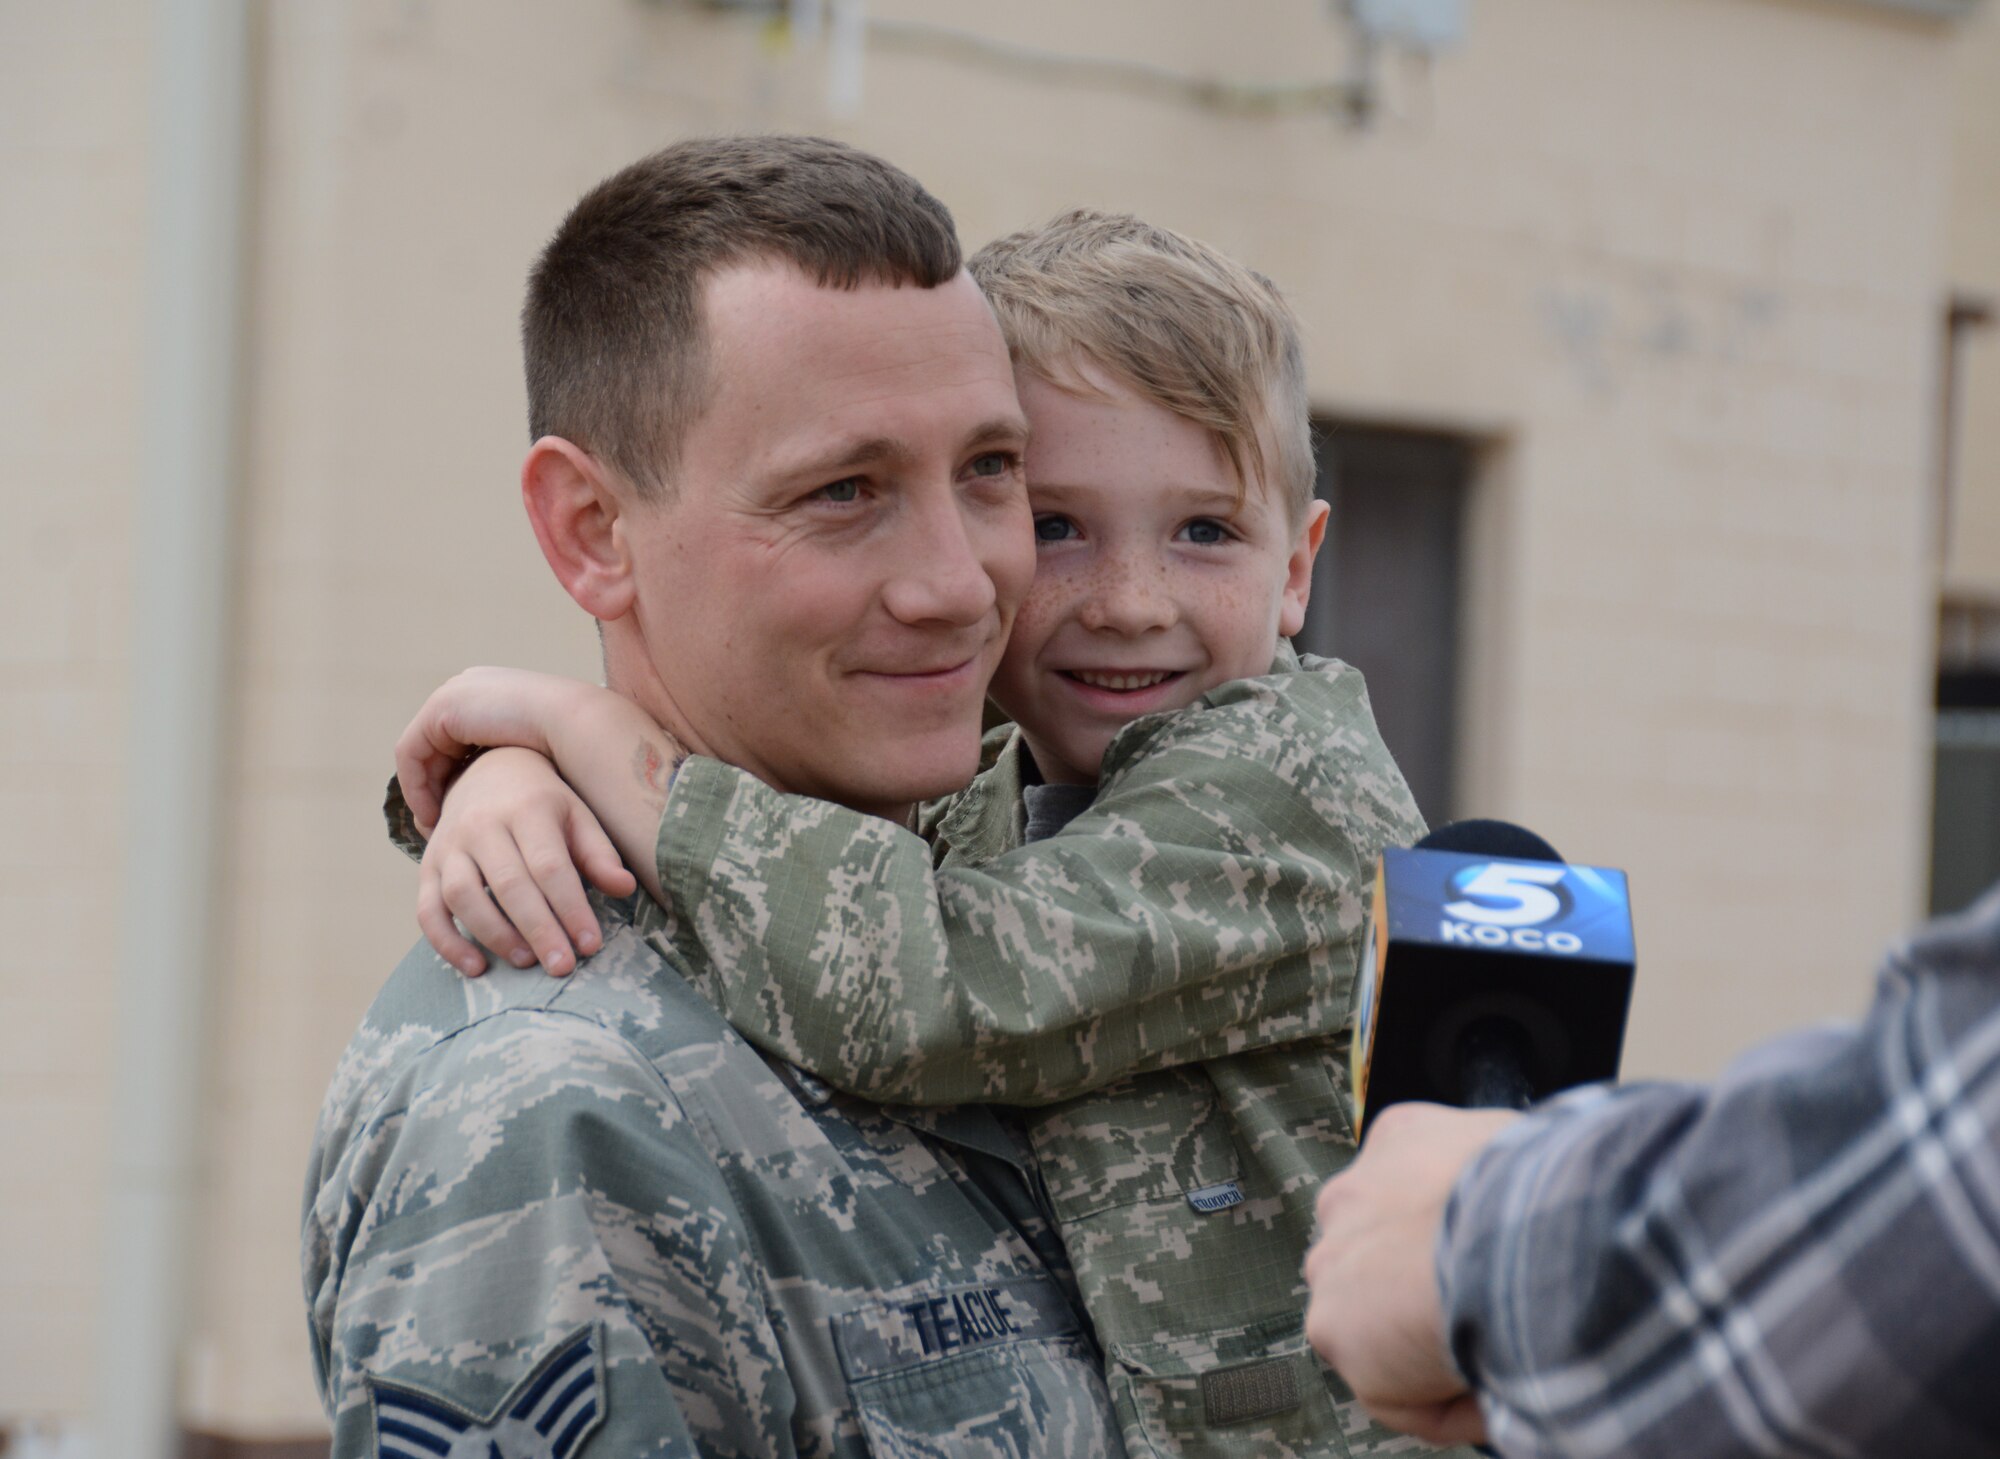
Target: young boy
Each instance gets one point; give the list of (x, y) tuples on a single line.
[(1171, 478)]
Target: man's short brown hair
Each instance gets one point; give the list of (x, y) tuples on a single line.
[(1183, 324), (612, 331)]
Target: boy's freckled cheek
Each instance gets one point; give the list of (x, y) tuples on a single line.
[(1046, 603)]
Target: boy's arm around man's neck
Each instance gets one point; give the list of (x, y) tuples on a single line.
[(1211, 900)]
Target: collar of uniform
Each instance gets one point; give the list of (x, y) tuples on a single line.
[(973, 1126), (985, 819)]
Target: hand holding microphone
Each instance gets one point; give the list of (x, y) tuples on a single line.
[(1375, 1313), (1494, 974)]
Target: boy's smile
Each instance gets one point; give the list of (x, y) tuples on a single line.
[(1155, 579)]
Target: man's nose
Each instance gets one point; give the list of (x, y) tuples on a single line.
[(938, 576), (1129, 597)]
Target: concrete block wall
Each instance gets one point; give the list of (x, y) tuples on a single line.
[(1675, 264), (72, 93)]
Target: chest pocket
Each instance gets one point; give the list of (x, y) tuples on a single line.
[(1234, 1394), (1185, 1200), (1000, 1369), (1159, 1137), (1249, 1394)]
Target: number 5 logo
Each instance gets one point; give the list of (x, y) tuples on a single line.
[(1524, 888)]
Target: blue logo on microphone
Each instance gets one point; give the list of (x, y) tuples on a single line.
[(1509, 893)]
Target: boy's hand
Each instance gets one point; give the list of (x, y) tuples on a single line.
[(513, 826), (480, 707)]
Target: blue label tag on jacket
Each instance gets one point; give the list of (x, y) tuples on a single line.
[(1216, 1197)]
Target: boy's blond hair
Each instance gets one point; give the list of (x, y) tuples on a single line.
[(1187, 327)]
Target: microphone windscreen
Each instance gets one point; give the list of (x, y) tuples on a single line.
[(1501, 840)]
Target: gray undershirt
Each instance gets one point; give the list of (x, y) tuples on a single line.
[(1049, 808)]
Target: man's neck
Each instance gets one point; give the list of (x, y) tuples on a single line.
[(651, 695), (646, 689)]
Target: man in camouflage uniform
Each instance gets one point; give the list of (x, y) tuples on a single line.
[(549, 1220)]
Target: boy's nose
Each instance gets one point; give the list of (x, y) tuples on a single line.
[(1131, 600)]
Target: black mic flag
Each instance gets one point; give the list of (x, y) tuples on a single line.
[(1494, 973)]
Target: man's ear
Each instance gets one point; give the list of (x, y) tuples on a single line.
[(1299, 569), (574, 509)]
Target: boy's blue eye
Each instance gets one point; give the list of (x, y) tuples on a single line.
[(1206, 531), (1054, 529)]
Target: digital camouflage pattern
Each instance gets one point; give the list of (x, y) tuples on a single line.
[(584, 1217), (1210, 901), (1206, 912)]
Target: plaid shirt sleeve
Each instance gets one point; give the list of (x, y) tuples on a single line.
[(1802, 1259)]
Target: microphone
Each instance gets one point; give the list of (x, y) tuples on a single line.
[(1512, 972)]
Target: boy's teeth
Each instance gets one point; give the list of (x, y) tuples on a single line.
[(1120, 681)]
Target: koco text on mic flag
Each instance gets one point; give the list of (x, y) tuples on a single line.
[(1543, 945)]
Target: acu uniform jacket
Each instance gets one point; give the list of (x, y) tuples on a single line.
[(581, 1219)]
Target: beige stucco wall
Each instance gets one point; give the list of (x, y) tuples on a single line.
[(72, 92), (1973, 564), (1678, 261)]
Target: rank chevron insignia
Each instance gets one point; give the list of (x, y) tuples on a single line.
[(548, 1414)]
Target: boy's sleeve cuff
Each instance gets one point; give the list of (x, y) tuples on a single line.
[(402, 824)]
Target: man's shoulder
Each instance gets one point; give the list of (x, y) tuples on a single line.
[(424, 1003), (540, 1128), (612, 1022), (457, 1100)]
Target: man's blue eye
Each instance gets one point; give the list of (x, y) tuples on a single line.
[(1054, 529), (1206, 531), (993, 463), (845, 490)]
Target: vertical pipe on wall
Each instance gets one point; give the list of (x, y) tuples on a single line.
[(182, 567)]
